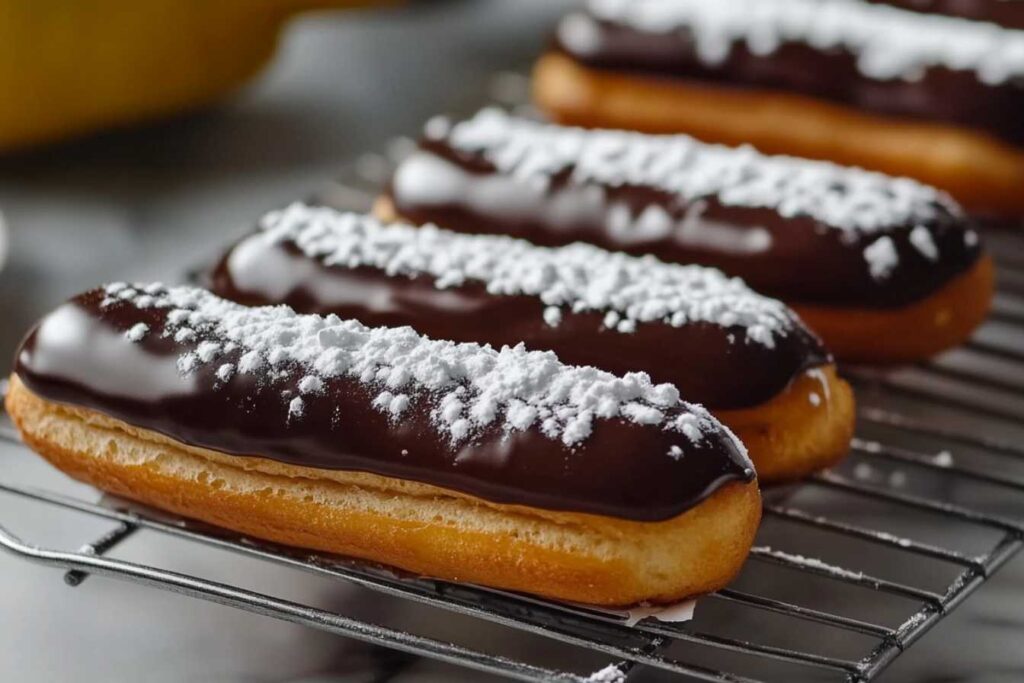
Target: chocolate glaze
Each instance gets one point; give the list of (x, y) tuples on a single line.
[(806, 262), (940, 94), (79, 355), (1002, 12), (709, 364)]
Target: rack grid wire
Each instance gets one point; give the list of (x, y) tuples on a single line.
[(970, 401)]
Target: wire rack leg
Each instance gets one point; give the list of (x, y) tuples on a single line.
[(103, 544)]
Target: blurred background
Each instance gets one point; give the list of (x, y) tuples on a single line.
[(149, 201)]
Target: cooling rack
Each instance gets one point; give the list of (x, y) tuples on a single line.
[(851, 566)]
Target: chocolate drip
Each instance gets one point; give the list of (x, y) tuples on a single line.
[(797, 259), (80, 355), (1002, 12), (939, 94), (709, 364)]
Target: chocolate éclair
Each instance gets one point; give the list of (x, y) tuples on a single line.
[(884, 269), (929, 96), (501, 467), (746, 357)]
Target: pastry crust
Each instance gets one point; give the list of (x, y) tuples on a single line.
[(943, 320), (805, 428), (983, 173), (417, 527)]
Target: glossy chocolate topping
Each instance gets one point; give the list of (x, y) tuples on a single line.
[(896, 75), (1009, 13), (804, 231), (509, 426), (721, 344)]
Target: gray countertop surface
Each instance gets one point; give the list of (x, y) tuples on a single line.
[(147, 203)]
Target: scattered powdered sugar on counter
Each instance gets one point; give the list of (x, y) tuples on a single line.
[(845, 198), (629, 290), (468, 386), (887, 43)]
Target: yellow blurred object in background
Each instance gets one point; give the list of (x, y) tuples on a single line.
[(69, 67)]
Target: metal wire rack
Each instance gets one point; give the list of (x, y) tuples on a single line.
[(926, 509)]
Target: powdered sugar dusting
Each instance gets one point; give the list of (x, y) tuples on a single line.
[(923, 241), (881, 257), (225, 372), (628, 290), (843, 198), (137, 332), (609, 674), (468, 386), (888, 43)]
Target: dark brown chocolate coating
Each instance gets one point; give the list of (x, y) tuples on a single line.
[(1009, 13), (700, 359), (940, 94), (806, 263), (79, 355)]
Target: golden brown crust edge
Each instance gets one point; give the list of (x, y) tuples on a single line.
[(939, 322), (568, 556), (982, 172), (805, 428)]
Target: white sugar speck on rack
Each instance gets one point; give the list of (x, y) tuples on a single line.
[(886, 42), (628, 290), (609, 674), (844, 198), (468, 387), (809, 562)]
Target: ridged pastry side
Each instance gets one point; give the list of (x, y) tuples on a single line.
[(983, 173), (939, 322), (416, 527)]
